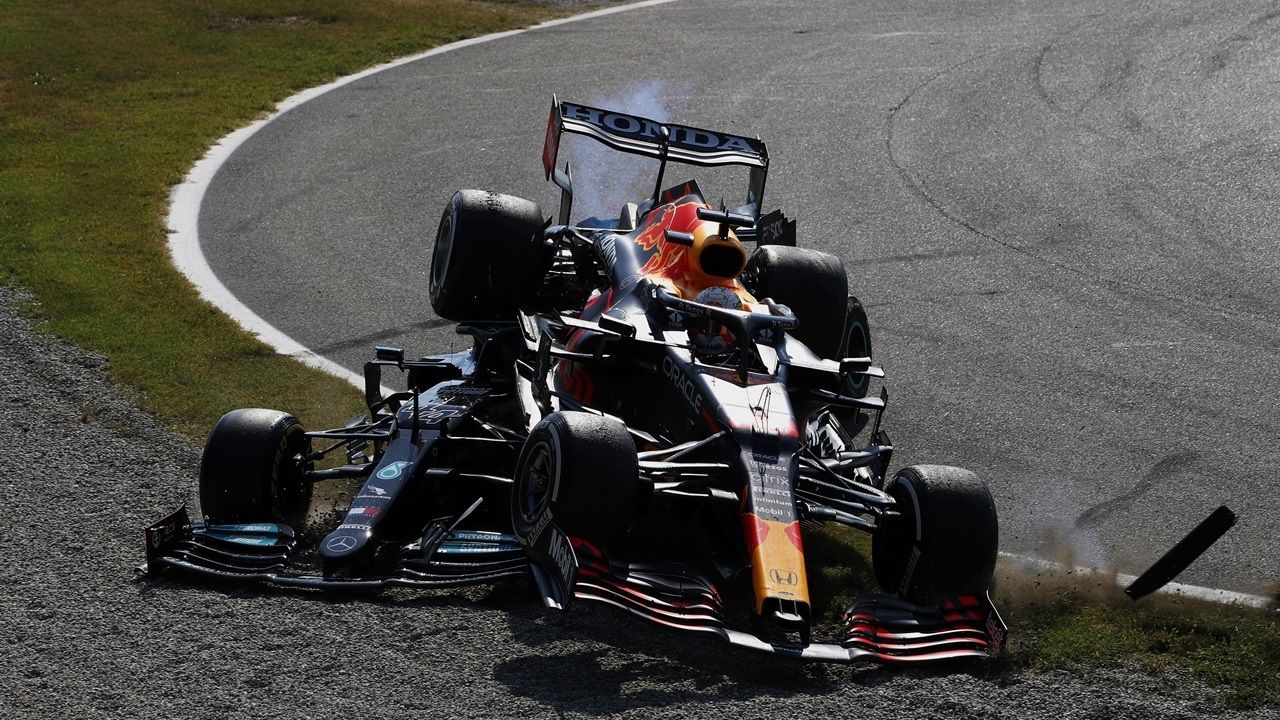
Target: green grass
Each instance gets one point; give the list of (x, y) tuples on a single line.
[(105, 105), (1083, 622)]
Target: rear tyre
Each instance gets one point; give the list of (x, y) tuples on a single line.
[(856, 343), (252, 469), (583, 470), (488, 260), (812, 283), (945, 538)]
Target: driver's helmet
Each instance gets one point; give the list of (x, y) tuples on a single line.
[(708, 336)]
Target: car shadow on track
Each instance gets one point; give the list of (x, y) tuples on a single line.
[(592, 659), (596, 660)]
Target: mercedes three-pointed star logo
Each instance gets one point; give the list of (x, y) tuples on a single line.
[(342, 543)]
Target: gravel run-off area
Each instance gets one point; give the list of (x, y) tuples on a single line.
[(84, 470)]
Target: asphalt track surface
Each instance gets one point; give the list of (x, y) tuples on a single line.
[(80, 639), (1062, 218), (1059, 216)]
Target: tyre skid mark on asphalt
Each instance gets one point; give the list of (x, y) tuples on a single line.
[(1046, 97), (187, 197), (1074, 118), (1161, 470), (918, 187)]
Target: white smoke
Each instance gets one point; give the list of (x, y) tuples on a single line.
[(1064, 528), (603, 178), (1073, 544)]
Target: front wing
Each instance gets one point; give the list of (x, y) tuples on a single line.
[(266, 552), (876, 627)]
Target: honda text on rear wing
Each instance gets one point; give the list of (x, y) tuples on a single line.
[(650, 138)]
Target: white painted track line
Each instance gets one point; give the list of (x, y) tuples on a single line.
[(184, 248), (186, 198), (1196, 592)]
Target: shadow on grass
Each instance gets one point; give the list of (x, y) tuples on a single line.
[(630, 663), (595, 660), (1082, 621)]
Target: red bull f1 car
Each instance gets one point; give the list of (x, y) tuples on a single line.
[(650, 417)]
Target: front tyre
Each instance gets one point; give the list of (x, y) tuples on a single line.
[(582, 469), (253, 469), (943, 541)]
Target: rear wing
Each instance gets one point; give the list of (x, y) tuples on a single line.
[(662, 141)]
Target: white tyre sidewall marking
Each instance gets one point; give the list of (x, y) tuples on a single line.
[(188, 257)]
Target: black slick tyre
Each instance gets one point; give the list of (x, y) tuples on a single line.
[(812, 283), (583, 470), (945, 538), (252, 469), (488, 259), (856, 342)]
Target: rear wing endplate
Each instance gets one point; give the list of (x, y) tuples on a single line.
[(662, 141)]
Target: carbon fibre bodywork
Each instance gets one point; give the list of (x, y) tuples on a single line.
[(737, 451)]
